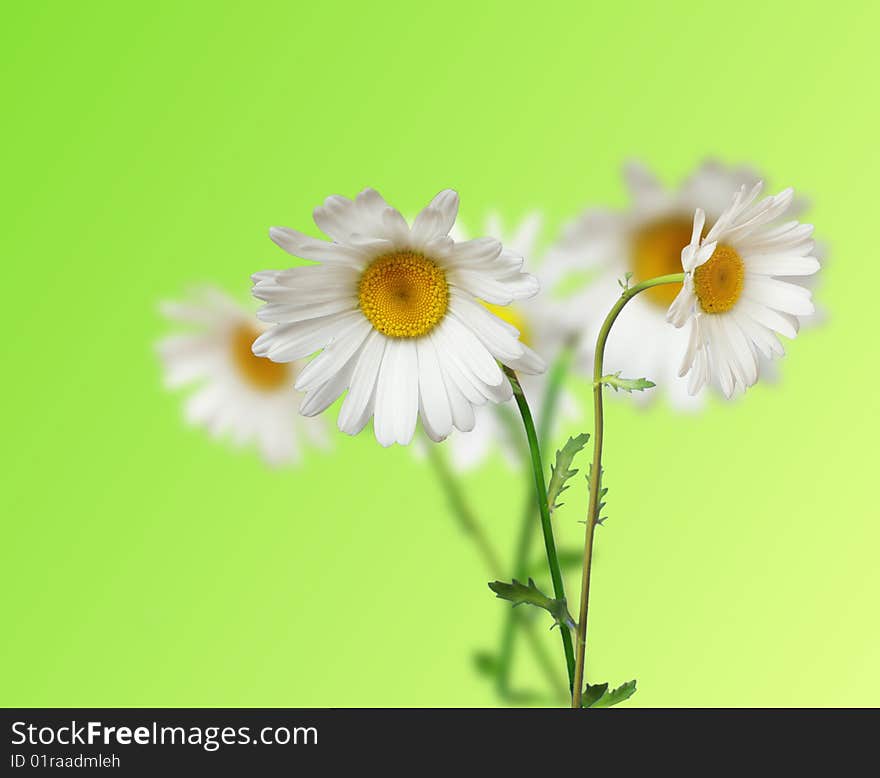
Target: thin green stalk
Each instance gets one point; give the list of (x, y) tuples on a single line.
[(544, 508), (462, 511), (471, 525), (598, 420), (555, 681), (555, 380)]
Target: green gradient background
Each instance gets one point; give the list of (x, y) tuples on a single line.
[(147, 146)]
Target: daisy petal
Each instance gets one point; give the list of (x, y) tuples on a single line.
[(334, 356), (472, 353), (446, 205), (781, 265), (434, 401), (406, 389), (779, 295), (288, 342), (300, 245), (363, 383)]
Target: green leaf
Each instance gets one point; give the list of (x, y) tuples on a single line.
[(593, 693), (561, 472), (569, 559), (526, 698), (486, 663), (600, 503), (626, 384), (531, 595), (599, 697)]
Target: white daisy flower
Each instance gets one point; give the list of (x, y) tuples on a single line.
[(546, 323), (646, 240), (398, 316), (732, 295), (249, 398)]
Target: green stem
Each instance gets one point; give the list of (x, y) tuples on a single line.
[(555, 380), (598, 420), (544, 508), (471, 525), (555, 682), (462, 511)]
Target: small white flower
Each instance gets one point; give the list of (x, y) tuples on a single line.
[(239, 394), (546, 323), (646, 240), (396, 312), (732, 294)]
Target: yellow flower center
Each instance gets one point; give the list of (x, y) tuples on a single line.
[(260, 372), (718, 283), (514, 317), (403, 294), (656, 251)]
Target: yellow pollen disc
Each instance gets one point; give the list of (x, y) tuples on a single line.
[(514, 317), (403, 294), (259, 372), (656, 251), (718, 283)]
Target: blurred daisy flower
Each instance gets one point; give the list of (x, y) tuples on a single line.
[(248, 398), (397, 313), (547, 323), (646, 240), (733, 297)]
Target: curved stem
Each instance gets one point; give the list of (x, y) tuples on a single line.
[(596, 472), (544, 508), (556, 378), (472, 526)]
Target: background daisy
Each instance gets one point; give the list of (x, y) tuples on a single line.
[(646, 240), (398, 314), (245, 397)]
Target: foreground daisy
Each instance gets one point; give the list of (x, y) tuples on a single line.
[(239, 394), (646, 240), (547, 323), (397, 314), (733, 296)]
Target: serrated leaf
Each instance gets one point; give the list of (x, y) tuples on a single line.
[(593, 693), (561, 472), (626, 384), (608, 699), (600, 503), (519, 594)]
